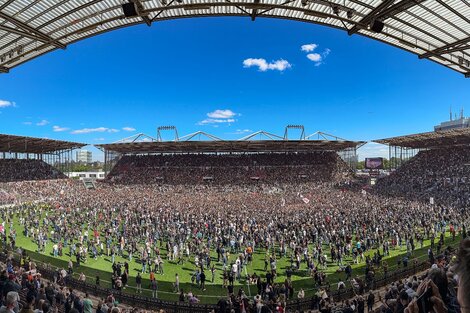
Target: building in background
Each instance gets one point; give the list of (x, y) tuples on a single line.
[(454, 123), (86, 175), (84, 156)]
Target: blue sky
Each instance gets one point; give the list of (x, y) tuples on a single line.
[(228, 77)]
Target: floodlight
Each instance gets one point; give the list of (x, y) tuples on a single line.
[(336, 10)]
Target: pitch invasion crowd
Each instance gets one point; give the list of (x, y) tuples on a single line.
[(310, 224), (444, 288), (192, 221)]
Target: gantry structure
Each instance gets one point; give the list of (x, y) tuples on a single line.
[(403, 148), (257, 142)]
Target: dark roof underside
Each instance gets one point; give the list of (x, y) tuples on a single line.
[(21, 144), (230, 146), (437, 30), (430, 140)]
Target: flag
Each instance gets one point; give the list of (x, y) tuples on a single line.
[(305, 200)]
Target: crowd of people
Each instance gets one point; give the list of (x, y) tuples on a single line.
[(441, 174), (26, 169), (309, 226), (6, 198), (304, 210), (24, 290), (321, 166), (442, 288)]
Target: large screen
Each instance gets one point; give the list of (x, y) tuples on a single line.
[(374, 163)]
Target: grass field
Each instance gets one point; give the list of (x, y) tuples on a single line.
[(102, 268)]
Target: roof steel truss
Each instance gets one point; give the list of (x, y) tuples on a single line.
[(435, 29)]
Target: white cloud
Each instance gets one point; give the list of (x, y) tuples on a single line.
[(221, 114), (128, 129), (42, 123), (315, 57), (216, 121), (308, 47), (27, 123), (219, 117), (99, 139), (6, 103), (94, 130), (263, 65), (59, 129)]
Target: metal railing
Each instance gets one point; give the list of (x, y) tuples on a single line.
[(182, 307)]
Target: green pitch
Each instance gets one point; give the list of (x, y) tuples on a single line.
[(102, 268)]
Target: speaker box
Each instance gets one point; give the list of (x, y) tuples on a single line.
[(129, 9), (377, 26)]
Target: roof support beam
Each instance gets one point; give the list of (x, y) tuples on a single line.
[(443, 49), (32, 30), (254, 12), (21, 33), (6, 4), (374, 13), (457, 49), (140, 8), (4, 69), (398, 8)]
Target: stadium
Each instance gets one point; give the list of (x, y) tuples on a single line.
[(229, 220)]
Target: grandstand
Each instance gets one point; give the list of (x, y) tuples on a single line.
[(28, 158), (248, 159), (431, 165)]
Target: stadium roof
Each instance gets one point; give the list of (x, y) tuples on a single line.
[(21, 144), (438, 30), (437, 139), (229, 146)]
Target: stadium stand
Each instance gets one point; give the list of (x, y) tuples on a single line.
[(230, 168), (22, 170), (28, 158), (443, 174), (440, 170)]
